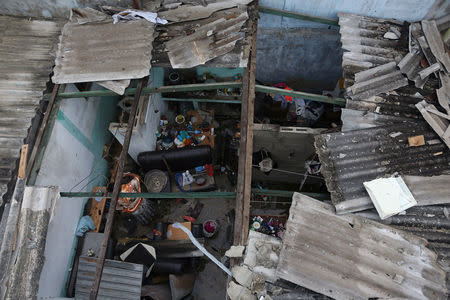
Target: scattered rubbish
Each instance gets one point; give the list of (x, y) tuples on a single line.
[(132, 14), (210, 228), (84, 224), (235, 251), (199, 246), (418, 140), (390, 196), (395, 134), (273, 226), (175, 233)]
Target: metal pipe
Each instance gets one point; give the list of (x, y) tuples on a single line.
[(187, 195), (296, 15), (201, 100), (313, 97), (152, 90), (204, 87)]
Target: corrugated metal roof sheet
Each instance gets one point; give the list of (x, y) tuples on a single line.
[(120, 280), (349, 257), (429, 222), (350, 158), (25, 65), (103, 51), (363, 39), (374, 81)]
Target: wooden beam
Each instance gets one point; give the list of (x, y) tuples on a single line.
[(23, 161), (116, 189), (42, 129), (243, 188)]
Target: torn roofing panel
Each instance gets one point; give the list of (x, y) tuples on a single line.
[(25, 63), (103, 51), (207, 42), (349, 257), (120, 280), (223, 55), (185, 13), (366, 47), (350, 158)]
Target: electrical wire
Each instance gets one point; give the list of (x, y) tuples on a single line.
[(291, 172)]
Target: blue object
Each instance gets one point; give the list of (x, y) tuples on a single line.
[(200, 169), (84, 224)]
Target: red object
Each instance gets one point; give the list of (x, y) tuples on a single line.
[(282, 85), (189, 219), (210, 227), (209, 169), (157, 232)]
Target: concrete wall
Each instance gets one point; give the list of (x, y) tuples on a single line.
[(73, 161), (310, 53), (53, 8)]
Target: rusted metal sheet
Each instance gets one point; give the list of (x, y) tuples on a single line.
[(350, 257), (103, 51), (25, 66)]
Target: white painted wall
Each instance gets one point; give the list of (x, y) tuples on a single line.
[(71, 156)]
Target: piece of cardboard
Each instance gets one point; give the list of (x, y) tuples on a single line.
[(177, 233)]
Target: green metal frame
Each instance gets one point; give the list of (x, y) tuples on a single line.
[(296, 15), (309, 96), (199, 195), (205, 86)]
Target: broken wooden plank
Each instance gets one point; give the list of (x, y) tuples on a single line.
[(97, 207), (23, 161), (243, 188), (116, 189)]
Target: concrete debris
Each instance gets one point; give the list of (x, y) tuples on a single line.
[(368, 260), (238, 292), (391, 35), (84, 56), (262, 254), (207, 42), (235, 251), (243, 276), (189, 13)]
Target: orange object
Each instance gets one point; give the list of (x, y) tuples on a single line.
[(130, 205), (288, 98), (97, 207), (415, 141), (176, 233)]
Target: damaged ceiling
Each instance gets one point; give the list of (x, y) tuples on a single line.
[(350, 257)]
